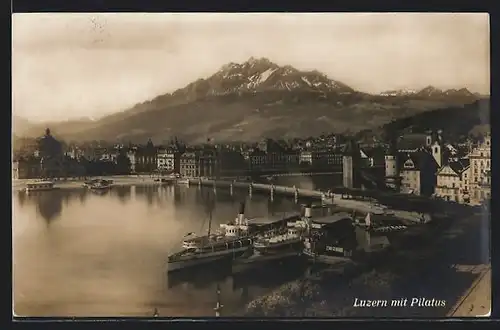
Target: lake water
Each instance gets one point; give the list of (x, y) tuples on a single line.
[(76, 253)]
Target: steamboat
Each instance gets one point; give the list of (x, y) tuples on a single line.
[(233, 242), (255, 227), (277, 246)]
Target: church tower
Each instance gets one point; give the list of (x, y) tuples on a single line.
[(437, 149)]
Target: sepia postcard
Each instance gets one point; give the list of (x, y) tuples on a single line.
[(251, 165)]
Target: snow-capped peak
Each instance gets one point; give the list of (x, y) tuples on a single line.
[(399, 92), (259, 74)]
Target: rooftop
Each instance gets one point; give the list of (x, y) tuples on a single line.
[(270, 219), (330, 219)]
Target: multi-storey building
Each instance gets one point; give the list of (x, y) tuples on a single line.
[(418, 173), (168, 160), (231, 163), (257, 160), (467, 180), (131, 152), (188, 164), (453, 181), (480, 170), (146, 158)]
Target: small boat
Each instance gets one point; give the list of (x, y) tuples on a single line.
[(282, 241), (100, 185), (184, 181), (39, 186)]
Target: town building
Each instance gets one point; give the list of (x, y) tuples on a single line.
[(413, 161), (467, 179), (453, 181), (26, 168), (145, 158), (207, 165), (131, 153), (168, 160), (480, 171), (188, 164), (231, 163), (418, 172), (257, 160)]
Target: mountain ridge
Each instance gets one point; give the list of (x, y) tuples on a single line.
[(253, 99)]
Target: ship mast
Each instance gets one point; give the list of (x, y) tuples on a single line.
[(210, 208), (209, 221)]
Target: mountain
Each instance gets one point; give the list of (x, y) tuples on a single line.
[(472, 118), (21, 125), (399, 92), (251, 100), (24, 127), (431, 92)]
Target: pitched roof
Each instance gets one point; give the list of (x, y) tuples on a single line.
[(459, 166)]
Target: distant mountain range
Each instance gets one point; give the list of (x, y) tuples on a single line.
[(251, 100)]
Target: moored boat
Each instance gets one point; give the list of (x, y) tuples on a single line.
[(254, 227), (288, 239), (233, 243), (99, 185), (184, 181), (39, 186)]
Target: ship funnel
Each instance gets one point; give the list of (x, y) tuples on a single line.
[(241, 213), (307, 211)]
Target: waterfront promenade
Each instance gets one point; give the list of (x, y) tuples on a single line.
[(476, 301)]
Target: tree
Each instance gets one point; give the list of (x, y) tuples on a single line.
[(122, 164)]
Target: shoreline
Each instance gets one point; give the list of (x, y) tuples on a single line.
[(122, 181)]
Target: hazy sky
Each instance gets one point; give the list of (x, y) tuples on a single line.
[(89, 65)]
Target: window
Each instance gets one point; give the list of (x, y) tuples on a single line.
[(436, 150)]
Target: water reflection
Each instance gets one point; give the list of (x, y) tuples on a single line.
[(105, 255)]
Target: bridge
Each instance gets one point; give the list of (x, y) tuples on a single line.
[(300, 174), (406, 206)]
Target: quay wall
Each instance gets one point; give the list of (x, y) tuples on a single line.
[(328, 199)]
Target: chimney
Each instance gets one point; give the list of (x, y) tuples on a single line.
[(241, 213), (307, 211)]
